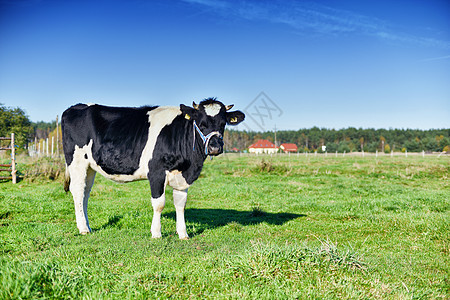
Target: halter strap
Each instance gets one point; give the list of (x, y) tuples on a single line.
[(205, 138)]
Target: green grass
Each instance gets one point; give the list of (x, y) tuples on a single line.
[(261, 228)]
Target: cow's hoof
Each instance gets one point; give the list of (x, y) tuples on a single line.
[(84, 232), (156, 236)]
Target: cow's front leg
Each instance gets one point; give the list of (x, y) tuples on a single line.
[(158, 206), (179, 200), (157, 185)]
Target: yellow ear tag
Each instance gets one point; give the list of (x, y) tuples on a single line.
[(188, 117), (233, 120)]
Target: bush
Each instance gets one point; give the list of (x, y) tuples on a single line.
[(268, 167), (44, 168), (343, 147), (332, 147)]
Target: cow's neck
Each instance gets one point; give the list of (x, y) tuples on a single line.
[(198, 150), (192, 157)]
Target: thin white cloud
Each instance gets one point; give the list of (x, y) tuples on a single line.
[(318, 19), (435, 58), (209, 3)]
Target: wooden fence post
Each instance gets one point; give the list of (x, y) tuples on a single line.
[(12, 166), (13, 160), (57, 136)]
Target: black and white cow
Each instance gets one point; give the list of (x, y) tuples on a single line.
[(166, 145)]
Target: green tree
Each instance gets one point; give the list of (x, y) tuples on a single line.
[(14, 120)]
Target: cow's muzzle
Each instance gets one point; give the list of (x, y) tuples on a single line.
[(213, 141), (215, 145)]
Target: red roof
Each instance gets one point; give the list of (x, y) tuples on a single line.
[(289, 147), (263, 144)]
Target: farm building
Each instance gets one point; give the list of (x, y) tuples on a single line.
[(263, 146), (289, 147)]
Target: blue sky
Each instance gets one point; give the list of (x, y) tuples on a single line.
[(334, 64)]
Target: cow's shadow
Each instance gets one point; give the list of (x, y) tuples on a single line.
[(199, 220), (203, 219)]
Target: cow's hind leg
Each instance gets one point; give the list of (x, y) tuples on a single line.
[(179, 200), (81, 181)]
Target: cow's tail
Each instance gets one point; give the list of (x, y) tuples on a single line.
[(66, 179)]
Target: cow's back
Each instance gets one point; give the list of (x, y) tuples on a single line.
[(118, 135)]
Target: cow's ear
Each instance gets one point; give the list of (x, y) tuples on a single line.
[(235, 117), (188, 112)]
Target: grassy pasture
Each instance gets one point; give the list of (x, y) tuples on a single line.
[(261, 228)]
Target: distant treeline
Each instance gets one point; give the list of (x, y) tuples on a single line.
[(348, 140), (42, 130)]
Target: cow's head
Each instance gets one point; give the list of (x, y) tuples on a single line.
[(210, 118)]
